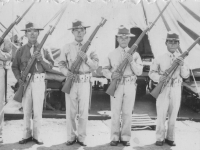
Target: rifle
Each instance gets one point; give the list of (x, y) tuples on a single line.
[(113, 85), (22, 88), (14, 23), (169, 72), (76, 65)]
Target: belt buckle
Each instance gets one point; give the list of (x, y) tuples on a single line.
[(81, 78), (36, 78)]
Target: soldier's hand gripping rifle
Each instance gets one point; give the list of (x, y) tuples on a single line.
[(169, 72), (76, 65), (13, 24), (22, 88), (113, 86)]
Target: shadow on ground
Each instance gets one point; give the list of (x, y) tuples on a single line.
[(16, 146)]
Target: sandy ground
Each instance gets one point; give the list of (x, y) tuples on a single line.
[(54, 137)]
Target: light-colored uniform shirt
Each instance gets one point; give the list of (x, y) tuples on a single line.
[(69, 54), (164, 62), (115, 58)]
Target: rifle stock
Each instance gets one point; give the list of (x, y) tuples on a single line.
[(112, 87), (19, 94), (76, 65), (158, 89)]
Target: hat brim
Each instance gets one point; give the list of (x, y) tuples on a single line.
[(78, 27), (172, 39), (128, 35), (32, 29)]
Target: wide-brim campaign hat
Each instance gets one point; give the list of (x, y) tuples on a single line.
[(124, 31), (30, 26), (77, 24), (172, 36)]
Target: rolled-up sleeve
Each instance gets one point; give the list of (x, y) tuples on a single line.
[(93, 61), (136, 64), (47, 61), (63, 62), (154, 71), (106, 67), (184, 71), (5, 56)]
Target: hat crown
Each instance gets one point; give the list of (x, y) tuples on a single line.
[(172, 36), (77, 23), (29, 25), (123, 30)]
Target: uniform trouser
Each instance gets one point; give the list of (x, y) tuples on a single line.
[(122, 104), (2, 94), (77, 102), (168, 103), (33, 102)]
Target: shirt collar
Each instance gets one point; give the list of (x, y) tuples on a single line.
[(77, 43), (123, 49), (171, 55), (30, 45)]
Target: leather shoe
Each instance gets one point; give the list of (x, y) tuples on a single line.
[(37, 142), (68, 143), (159, 143), (125, 143), (1, 140), (171, 143), (114, 143), (24, 141), (81, 143)]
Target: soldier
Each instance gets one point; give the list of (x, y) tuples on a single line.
[(168, 102), (34, 96), (124, 98), (5, 56), (77, 102)]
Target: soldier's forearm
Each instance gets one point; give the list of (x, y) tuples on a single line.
[(93, 64), (137, 68), (107, 73), (46, 65), (5, 56), (154, 76)]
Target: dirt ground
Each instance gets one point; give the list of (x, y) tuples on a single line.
[(98, 134)]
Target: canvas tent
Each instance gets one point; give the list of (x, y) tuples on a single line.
[(181, 18)]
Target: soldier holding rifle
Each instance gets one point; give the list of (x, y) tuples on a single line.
[(124, 98), (77, 101), (34, 96), (168, 101), (5, 56)]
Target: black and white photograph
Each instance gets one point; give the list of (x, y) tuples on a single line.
[(99, 75)]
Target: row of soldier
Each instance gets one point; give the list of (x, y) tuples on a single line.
[(122, 102)]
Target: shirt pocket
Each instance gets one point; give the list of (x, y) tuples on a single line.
[(24, 61), (115, 63), (71, 57)]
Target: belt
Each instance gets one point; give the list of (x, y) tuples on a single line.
[(81, 78), (128, 80), (174, 82), (37, 77)]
